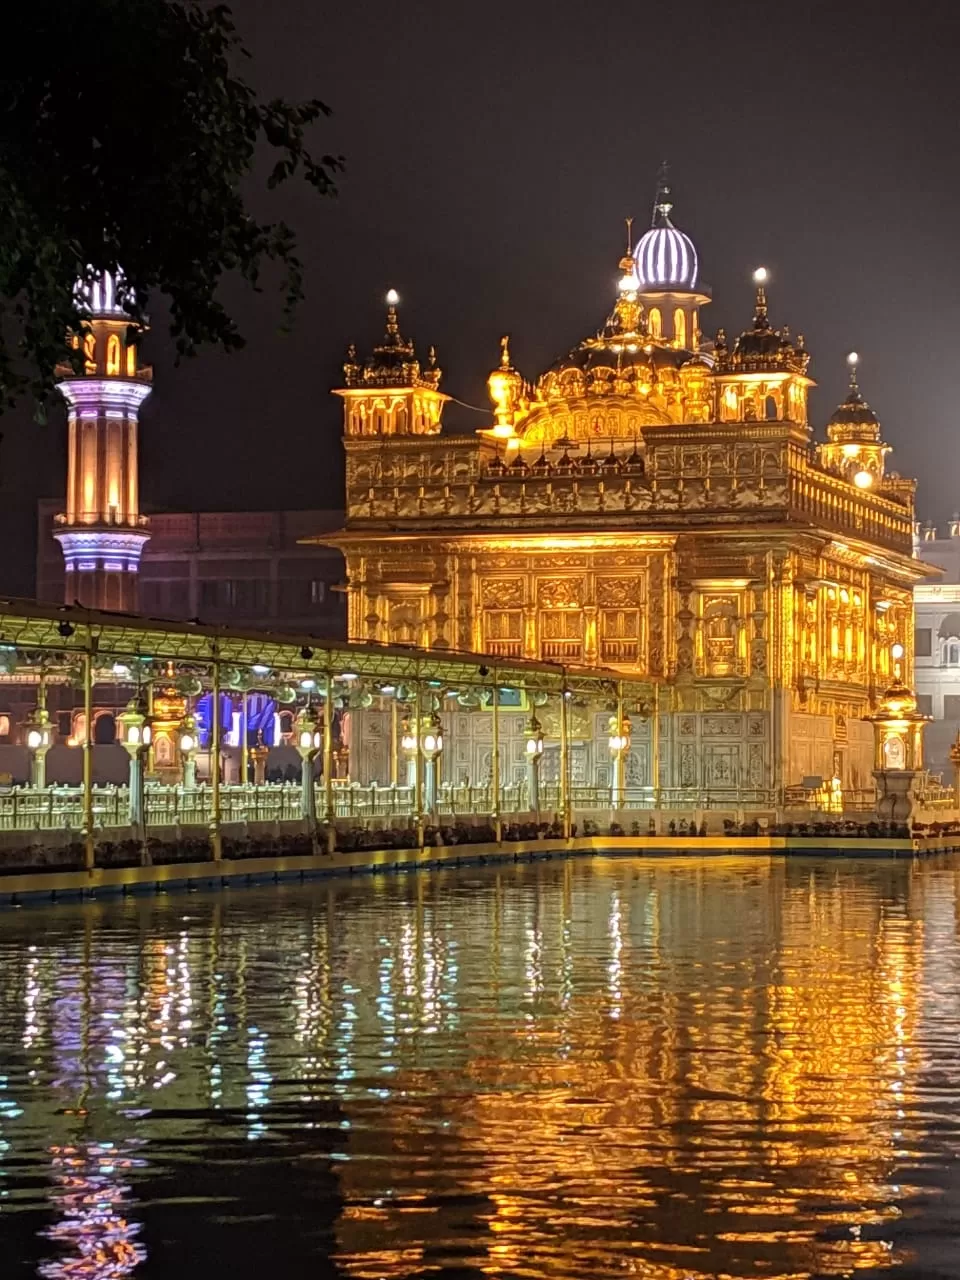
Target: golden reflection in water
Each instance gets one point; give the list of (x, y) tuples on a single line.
[(702, 1106), (676, 1070)]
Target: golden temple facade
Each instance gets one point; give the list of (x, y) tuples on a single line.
[(655, 503)]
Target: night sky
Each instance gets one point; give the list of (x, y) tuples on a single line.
[(492, 155)]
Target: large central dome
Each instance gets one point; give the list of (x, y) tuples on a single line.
[(666, 258)]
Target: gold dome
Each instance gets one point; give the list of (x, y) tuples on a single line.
[(899, 702)]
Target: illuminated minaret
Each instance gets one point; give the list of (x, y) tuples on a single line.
[(102, 532)]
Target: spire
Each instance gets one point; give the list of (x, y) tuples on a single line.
[(854, 420), (662, 203), (852, 361), (393, 328), (628, 279), (760, 319)]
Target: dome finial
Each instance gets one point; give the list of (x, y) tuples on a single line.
[(628, 270), (760, 320), (853, 360), (392, 299), (662, 203)]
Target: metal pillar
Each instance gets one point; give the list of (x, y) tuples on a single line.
[(308, 794), (394, 742), (564, 764), (137, 809), (216, 842), (329, 808), (418, 775), (244, 751), (430, 786), (616, 797), (89, 841), (533, 785), (495, 762)]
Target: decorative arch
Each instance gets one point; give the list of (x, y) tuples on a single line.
[(104, 728), (113, 355), (680, 327), (132, 360), (655, 323)]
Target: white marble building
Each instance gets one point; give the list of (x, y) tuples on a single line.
[(937, 644)]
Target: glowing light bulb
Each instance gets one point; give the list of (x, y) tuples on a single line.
[(392, 297), (853, 358), (760, 275), (863, 479)]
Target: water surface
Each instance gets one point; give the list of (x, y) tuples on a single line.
[(597, 1068)]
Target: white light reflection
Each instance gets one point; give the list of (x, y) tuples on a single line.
[(615, 967)]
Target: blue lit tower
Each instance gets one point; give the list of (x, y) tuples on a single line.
[(102, 532)]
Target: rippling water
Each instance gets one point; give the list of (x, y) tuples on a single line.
[(668, 1069)]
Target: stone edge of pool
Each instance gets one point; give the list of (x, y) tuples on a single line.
[(105, 882)]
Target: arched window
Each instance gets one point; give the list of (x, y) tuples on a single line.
[(951, 653), (655, 323), (680, 327), (104, 729), (770, 409), (132, 360), (113, 355), (90, 352)]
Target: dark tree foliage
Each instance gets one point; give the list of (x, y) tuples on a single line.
[(126, 137)]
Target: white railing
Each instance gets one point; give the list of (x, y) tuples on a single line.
[(60, 808)]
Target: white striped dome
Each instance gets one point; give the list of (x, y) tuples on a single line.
[(666, 258)]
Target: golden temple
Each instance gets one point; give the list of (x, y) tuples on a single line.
[(655, 503)]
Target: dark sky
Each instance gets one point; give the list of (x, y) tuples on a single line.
[(492, 154)]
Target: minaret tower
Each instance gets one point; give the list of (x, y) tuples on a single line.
[(102, 532)]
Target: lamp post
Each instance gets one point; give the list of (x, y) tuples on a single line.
[(431, 746), (898, 743), (136, 734), (309, 741), (187, 741), (619, 744), (38, 735), (408, 745), (534, 753)]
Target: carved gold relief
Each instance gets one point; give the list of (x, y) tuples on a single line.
[(560, 593), (619, 592), (506, 593)]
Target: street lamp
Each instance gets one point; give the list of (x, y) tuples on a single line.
[(136, 734), (38, 735), (309, 740), (431, 746), (619, 744), (408, 744), (188, 741), (533, 749)]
